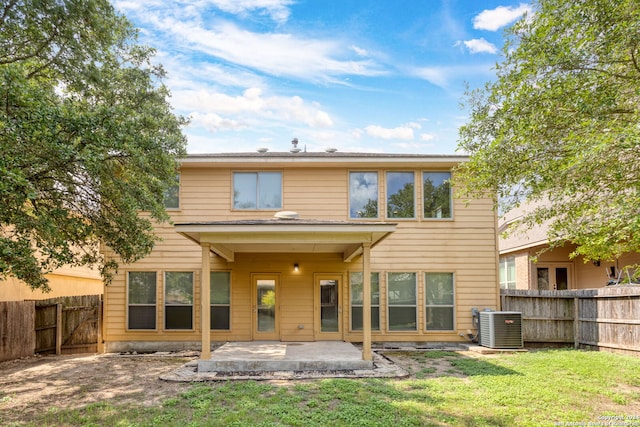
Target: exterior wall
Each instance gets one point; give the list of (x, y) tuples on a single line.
[(64, 282), (583, 275), (465, 246)]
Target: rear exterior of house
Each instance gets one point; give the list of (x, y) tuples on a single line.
[(308, 247)]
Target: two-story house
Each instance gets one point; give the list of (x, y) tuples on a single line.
[(301, 246)]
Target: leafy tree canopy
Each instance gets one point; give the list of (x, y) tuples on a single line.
[(560, 127), (87, 138)]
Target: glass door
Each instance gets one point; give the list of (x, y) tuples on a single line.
[(265, 308), (553, 277), (328, 307)]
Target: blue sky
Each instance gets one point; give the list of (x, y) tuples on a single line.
[(382, 76)]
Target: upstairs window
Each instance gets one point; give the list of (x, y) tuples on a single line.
[(257, 190), (172, 195), (400, 195), (437, 194), (363, 195)]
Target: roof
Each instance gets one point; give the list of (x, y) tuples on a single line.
[(324, 159), (226, 238)]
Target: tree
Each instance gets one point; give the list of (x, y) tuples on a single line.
[(559, 128), (87, 138)]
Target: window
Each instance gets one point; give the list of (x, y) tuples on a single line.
[(178, 300), (437, 194), (400, 195), (363, 195), (356, 301), (507, 272), (439, 301), (172, 195), (142, 299), (220, 300), (257, 190), (401, 299)]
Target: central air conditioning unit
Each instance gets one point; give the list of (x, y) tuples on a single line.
[(500, 329)]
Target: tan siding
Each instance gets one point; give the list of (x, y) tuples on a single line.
[(465, 245)]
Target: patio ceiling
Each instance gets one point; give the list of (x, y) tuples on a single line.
[(226, 238)]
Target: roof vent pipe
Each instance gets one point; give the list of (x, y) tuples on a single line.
[(294, 146)]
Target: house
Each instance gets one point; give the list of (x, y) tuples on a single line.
[(526, 262), (301, 246), (65, 281)]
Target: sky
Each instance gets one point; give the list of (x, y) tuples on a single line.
[(375, 76)]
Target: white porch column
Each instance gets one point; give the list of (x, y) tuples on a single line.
[(205, 314), (366, 302)]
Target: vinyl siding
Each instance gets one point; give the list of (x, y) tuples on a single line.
[(464, 245)]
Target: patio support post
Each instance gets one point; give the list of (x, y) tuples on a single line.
[(205, 313), (366, 302)]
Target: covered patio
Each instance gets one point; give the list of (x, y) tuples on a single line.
[(280, 236)]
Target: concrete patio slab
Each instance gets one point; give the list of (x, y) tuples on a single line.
[(269, 360)]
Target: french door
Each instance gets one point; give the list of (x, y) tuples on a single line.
[(553, 277)]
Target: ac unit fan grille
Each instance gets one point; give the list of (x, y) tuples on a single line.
[(501, 329)]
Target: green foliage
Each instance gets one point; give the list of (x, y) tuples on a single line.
[(87, 138), (559, 127)]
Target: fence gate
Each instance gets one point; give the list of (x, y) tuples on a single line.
[(69, 325)]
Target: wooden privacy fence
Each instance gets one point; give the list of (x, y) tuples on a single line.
[(65, 325), (606, 318), (17, 329), (68, 325)]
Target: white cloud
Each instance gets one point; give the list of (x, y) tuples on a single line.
[(426, 137), (213, 122), (216, 111), (277, 9), (494, 19), (400, 132), (479, 46), (435, 75), (279, 54), (359, 51)]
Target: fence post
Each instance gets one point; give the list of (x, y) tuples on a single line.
[(58, 329), (576, 321)]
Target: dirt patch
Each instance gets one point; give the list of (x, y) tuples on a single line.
[(34, 385), (425, 364)]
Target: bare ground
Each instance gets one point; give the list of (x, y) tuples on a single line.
[(34, 385)]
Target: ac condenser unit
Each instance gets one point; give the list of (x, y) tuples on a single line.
[(500, 329)]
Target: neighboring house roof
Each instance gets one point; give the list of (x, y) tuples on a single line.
[(519, 239)]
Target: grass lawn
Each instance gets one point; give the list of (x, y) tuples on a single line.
[(551, 387)]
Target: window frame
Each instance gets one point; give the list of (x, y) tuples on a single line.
[(451, 213), (387, 195), (352, 305), (212, 305), (167, 306), (377, 175), (178, 184), (256, 199), (129, 304), (452, 306), (414, 305), (504, 262)]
